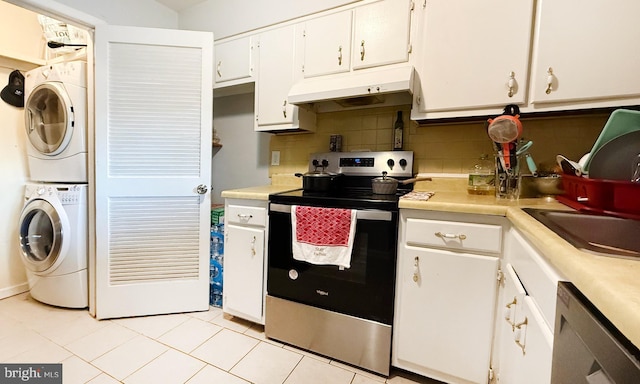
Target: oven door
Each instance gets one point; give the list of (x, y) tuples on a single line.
[(366, 290)]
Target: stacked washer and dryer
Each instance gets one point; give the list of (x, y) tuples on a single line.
[(54, 220)]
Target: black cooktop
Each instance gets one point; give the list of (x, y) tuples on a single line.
[(354, 198)]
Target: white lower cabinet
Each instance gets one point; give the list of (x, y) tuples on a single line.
[(446, 295), (525, 342), (525, 316), (244, 276)]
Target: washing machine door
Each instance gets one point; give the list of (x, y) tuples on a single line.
[(49, 118), (40, 235)]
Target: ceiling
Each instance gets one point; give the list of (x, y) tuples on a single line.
[(179, 5)]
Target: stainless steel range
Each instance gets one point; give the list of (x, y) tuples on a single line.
[(342, 313)]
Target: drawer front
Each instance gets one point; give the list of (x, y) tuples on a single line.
[(454, 235), (243, 215)]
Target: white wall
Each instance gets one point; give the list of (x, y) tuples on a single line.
[(243, 160), (13, 168), (13, 157), (226, 18)]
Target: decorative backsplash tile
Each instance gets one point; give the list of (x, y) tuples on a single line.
[(438, 148)]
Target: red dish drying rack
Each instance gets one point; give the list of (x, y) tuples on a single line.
[(610, 197)]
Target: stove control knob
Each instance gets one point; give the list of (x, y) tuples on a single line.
[(391, 163), (293, 274), (325, 163), (403, 163)]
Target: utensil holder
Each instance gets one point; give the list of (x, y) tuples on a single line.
[(508, 180)]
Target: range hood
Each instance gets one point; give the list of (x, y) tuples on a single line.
[(357, 89)]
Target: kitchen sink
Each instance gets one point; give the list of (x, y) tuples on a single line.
[(604, 235)]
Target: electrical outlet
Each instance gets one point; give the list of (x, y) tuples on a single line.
[(275, 157)]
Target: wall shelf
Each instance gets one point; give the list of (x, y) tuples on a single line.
[(16, 60)]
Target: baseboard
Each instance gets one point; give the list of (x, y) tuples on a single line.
[(14, 290)]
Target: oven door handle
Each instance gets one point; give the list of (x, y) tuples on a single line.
[(361, 214)]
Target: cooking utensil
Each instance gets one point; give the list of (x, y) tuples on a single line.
[(620, 122), (614, 160), (388, 185), (524, 148), (531, 164), (506, 129), (549, 185), (319, 181), (568, 166)]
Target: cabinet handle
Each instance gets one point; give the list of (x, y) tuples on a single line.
[(340, 55), (508, 313), (517, 335), (511, 83), (218, 68), (253, 246), (362, 50), (244, 218), (450, 236), (549, 81), (416, 269), (284, 109)]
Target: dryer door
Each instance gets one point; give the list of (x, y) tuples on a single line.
[(49, 118), (40, 235)]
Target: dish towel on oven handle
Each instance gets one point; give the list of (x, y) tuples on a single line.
[(323, 236)]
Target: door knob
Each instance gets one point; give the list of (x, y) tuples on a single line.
[(202, 189)]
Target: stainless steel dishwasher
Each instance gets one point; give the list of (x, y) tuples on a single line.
[(587, 348)]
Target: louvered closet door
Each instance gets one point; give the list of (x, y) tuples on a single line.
[(152, 151)]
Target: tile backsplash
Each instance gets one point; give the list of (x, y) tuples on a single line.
[(438, 148)]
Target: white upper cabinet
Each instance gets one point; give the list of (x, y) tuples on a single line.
[(233, 62), (381, 33), (275, 76), (276, 50), (327, 44), (473, 54), (586, 51)]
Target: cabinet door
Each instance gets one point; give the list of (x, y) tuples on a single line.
[(327, 44), (510, 313), (233, 60), (444, 314), (525, 341), (275, 77), (474, 54), (243, 272), (586, 53), (381, 33)]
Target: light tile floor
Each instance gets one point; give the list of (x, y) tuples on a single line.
[(195, 348)]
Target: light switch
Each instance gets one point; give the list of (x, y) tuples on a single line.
[(275, 157)]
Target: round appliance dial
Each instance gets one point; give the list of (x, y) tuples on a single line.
[(293, 274)]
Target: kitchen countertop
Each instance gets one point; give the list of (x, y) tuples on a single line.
[(611, 284), (256, 193)]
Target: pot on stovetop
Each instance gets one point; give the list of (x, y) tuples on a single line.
[(320, 181), (388, 185)]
